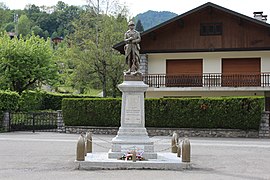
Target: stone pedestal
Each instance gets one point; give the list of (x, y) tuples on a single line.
[(132, 134), (6, 121)]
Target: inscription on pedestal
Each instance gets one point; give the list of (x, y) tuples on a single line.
[(128, 148), (133, 110)]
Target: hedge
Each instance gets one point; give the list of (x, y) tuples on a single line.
[(91, 112), (232, 113), (9, 100), (40, 100)]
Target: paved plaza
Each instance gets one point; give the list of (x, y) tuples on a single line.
[(26, 155)]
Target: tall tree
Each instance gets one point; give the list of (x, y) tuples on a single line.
[(26, 63), (95, 34), (139, 26), (37, 31), (32, 12), (10, 27), (24, 25), (6, 15)]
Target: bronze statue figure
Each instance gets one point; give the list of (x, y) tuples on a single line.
[(132, 48)]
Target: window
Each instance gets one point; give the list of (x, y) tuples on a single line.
[(208, 29)]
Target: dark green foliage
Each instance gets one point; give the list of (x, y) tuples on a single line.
[(31, 100), (139, 26), (10, 27), (92, 112), (150, 18), (232, 113), (8, 101), (58, 18), (26, 63), (40, 100)]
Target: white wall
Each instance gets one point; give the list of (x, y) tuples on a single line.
[(211, 60), (157, 65)]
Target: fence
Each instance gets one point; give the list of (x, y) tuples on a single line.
[(33, 121), (208, 80)]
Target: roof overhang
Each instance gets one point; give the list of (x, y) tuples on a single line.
[(120, 46)]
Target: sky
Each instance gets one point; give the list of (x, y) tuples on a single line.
[(246, 7)]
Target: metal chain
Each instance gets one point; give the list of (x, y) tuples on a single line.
[(104, 147), (159, 140), (99, 145), (178, 144), (103, 140), (164, 149)]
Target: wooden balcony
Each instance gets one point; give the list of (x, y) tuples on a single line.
[(208, 80)]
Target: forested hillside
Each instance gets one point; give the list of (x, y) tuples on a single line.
[(45, 21), (150, 18)]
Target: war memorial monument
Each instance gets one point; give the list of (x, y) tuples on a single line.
[(132, 141)]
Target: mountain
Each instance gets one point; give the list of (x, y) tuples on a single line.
[(151, 18)]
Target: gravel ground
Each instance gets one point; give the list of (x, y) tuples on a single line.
[(26, 155)]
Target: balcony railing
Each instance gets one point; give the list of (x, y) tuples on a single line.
[(208, 80)]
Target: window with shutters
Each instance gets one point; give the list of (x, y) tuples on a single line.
[(209, 29)]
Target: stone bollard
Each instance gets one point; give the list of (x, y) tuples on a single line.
[(133, 156), (80, 149), (178, 149), (186, 150), (88, 142), (174, 142)]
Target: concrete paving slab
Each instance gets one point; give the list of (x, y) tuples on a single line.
[(100, 161)]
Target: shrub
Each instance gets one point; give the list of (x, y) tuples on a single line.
[(92, 112), (233, 113), (31, 100), (9, 101), (40, 100)]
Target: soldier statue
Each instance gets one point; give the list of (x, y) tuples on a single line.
[(132, 47)]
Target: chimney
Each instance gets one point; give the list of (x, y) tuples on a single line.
[(264, 18), (259, 16)]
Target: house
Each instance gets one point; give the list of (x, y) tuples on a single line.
[(207, 51), (57, 40), (11, 34)]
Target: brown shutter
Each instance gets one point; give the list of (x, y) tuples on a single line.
[(239, 72), (184, 73), (184, 66)]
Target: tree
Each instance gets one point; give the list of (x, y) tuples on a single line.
[(95, 36), (46, 34), (60, 6), (96, 31), (32, 12), (48, 22), (23, 26), (37, 31), (54, 35), (10, 27), (3, 6), (139, 26), (26, 63), (5, 14)]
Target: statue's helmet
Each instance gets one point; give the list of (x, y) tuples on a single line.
[(131, 23)]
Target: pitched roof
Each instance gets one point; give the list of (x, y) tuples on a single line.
[(119, 45)]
